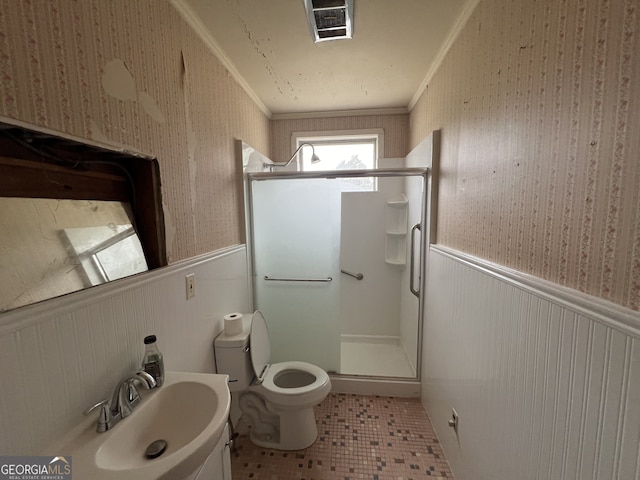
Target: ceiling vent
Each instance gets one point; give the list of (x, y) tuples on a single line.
[(330, 19)]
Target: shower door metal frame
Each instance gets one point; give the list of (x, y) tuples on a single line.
[(424, 172)]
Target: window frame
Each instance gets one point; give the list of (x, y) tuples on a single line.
[(341, 136)]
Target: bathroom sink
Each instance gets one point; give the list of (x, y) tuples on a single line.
[(188, 412)]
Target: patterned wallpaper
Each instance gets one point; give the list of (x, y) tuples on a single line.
[(539, 106), (538, 103), (135, 74), (396, 132)]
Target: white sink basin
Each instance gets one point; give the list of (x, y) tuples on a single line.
[(189, 412)]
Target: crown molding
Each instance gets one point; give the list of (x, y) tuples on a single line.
[(187, 13), (340, 113), (435, 65), (192, 19)]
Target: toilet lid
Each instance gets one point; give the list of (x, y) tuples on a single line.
[(259, 342)]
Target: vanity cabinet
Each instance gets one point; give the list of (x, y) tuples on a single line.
[(217, 466)]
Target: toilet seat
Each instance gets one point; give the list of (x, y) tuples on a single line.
[(260, 345), (287, 397), (270, 381), (268, 375)]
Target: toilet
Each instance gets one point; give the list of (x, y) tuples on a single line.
[(278, 398)]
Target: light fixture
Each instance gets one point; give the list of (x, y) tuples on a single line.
[(314, 157), (330, 19)]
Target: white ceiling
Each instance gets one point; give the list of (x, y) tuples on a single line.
[(267, 45)]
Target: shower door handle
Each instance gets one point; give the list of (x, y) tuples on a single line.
[(412, 287)]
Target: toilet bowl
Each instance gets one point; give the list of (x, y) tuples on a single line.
[(278, 398)]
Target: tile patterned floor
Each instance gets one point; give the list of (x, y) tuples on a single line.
[(366, 437)]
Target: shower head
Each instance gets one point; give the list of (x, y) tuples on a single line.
[(314, 157)]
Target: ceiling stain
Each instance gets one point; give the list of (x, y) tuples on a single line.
[(284, 87)]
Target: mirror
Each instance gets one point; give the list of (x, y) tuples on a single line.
[(51, 247)]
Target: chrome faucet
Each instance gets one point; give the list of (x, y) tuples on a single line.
[(124, 400), (126, 396)]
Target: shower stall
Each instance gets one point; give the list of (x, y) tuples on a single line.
[(336, 270)]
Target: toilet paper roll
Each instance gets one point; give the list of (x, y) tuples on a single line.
[(233, 323)]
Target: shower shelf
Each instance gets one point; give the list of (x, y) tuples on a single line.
[(396, 231)]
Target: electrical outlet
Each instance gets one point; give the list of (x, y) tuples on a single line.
[(453, 422), (191, 285)]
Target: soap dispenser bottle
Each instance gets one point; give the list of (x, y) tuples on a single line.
[(152, 363)]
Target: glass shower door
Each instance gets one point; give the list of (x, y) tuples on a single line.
[(379, 314), (296, 267)]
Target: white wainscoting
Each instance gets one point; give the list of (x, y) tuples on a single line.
[(546, 381), (62, 355)]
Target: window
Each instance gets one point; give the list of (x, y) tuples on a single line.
[(353, 150), (106, 252)]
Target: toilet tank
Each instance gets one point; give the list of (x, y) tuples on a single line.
[(233, 356)]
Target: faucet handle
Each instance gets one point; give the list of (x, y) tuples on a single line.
[(132, 393), (143, 378), (104, 417)]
